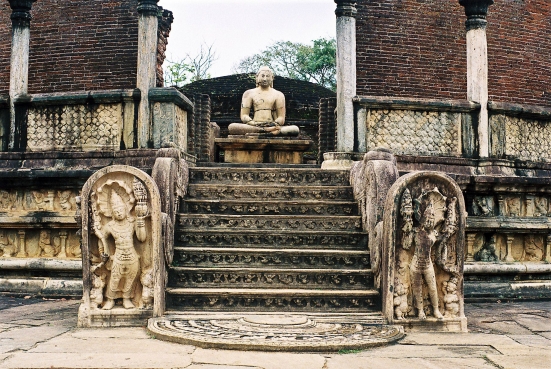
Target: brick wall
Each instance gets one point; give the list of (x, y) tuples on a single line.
[(416, 48), (165, 24), (79, 45), (5, 47)]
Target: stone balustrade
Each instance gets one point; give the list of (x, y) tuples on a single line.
[(95, 121)]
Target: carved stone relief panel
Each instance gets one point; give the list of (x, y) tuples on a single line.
[(121, 241), (483, 206), (423, 252), (43, 243), (520, 206), (487, 250), (24, 201)]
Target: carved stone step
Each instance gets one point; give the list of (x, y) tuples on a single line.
[(273, 192), (269, 278), (269, 222), (265, 258), (324, 240), (269, 176), (260, 207), (284, 300)]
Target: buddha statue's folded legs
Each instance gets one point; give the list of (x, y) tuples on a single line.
[(241, 129)]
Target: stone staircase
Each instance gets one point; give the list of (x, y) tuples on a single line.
[(270, 240)]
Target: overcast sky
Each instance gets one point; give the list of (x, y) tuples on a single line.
[(240, 28)]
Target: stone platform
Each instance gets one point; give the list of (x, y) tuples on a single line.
[(259, 150), (281, 332)]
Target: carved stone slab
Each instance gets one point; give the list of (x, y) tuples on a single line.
[(281, 332), (121, 248), (423, 253)]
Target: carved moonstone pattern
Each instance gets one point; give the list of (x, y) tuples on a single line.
[(275, 333), (121, 248), (415, 132)]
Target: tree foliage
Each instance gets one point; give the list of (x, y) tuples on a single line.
[(315, 63), (190, 68)]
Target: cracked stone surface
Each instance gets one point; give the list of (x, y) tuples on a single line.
[(41, 334)]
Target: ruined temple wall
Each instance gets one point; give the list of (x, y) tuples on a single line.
[(413, 48), (80, 45)]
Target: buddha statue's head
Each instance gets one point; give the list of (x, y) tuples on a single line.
[(265, 77)]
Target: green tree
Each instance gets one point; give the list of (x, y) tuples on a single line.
[(190, 68), (315, 63)]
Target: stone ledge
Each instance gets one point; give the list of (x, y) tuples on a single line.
[(80, 97), (49, 264), (520, 110), (41, 287), (42, 217), (403, 103), (503, 268), (170, 95), (512, 224)]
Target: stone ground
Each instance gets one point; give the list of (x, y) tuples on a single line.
[(41, 334)]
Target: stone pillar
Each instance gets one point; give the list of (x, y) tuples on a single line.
[(148, 25), (19, 63), (346, 86), (477, 65)]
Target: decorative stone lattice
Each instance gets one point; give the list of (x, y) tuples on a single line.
[(275, 333), (80, 127), (526, 139), (414, 132)]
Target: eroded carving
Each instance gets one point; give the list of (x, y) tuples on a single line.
[(424, 235), (483, 206), (488, 252), (51, 200), (533, 248)]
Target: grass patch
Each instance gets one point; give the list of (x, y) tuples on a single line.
[(349, 351)]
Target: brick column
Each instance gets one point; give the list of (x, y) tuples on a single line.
[(346, 87), (477, 65), (19, 63), (148, 26)]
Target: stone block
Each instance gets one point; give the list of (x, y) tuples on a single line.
[(252, 150)]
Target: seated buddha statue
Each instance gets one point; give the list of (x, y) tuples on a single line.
[(268, 106)]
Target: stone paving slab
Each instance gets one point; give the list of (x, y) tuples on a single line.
[(532, 340), (542, 361), (96, 360), (353, 362), (534, 323), (500, 327), (67, 343), (27, 337), (132, 333), (427, 351), (546, 335), (258, 359), (211, 366)]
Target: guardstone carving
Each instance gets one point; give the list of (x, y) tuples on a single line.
[(121, 241), (423, 250)]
